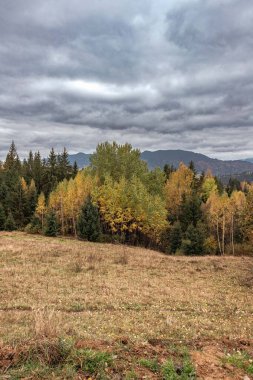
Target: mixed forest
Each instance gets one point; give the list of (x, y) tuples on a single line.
[(118, 199)]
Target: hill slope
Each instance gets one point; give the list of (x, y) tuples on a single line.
[(173, 157), (130, 302)]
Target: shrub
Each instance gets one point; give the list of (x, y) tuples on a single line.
[(210, 246), (34, 227)]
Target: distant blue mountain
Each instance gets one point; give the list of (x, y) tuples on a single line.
[(82, 159), (173, 157), (248, 160)]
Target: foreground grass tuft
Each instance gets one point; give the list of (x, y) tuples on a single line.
[(241, 360), (59, 359)]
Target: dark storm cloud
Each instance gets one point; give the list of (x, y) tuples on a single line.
[(158, 74)]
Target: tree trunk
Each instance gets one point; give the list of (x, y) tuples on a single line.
[(223, 234), (232, 234), (218, 235)]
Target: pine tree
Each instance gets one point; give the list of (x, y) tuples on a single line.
[(175, 237), (193, 244), (51, 173), (190, 211), (51, 227), (32, 197), (64, 167), (38, 171), (10, 224), (12, 161), (2, 218), (88, 225), (168, 169), (75, 169)]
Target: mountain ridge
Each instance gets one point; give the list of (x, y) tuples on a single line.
[(202, 162)]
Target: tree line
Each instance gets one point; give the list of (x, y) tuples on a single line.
[(117, 198)]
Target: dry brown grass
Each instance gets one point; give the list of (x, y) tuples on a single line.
[(103, 291)]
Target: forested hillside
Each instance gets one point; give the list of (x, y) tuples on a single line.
[(117, 198)]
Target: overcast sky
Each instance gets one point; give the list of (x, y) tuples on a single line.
[(159, 74)]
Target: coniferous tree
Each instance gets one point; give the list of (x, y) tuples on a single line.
[(64, 167), (12, 162), (38, 172), (75, 169), (175, 237), (51, 226), (51, 172), (2, 218), (88, 224), (190, 211), (168, 169), (10, 224), (193, 244)]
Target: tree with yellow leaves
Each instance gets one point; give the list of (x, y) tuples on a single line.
[(237, 207), (177, 186), (218, 213), (68, 197), (129, 210), (41, 208)]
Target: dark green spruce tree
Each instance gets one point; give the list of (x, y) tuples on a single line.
[(2, 218), (88, 225), (194, 240), (175, 237), (51, 226), (10, 224)]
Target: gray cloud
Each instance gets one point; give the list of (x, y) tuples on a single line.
[(158, 74)]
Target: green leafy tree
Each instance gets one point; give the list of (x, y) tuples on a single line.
[(51, 226), (88, 224), (118, 161)]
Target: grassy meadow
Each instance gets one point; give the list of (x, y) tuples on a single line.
[(108, 311)]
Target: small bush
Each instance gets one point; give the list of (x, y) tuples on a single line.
[(210, 246), (185, 371), (151, 364), (34, 227)]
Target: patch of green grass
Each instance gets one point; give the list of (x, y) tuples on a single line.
[(185, 371), (131, 375), (76, 308), (241, 360), (59, 360), (151, 364), (90, 362)]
